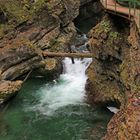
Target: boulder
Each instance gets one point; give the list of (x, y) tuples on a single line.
[(8, 89), (18, 60), (52, 68)]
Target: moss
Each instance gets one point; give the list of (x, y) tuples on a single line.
[(51, 64), (113, 35), (19, 11), (105, 24), (23, 42), (37, 6), (15, 11), (54, 44)]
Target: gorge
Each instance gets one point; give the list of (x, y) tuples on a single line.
[(51, 98)]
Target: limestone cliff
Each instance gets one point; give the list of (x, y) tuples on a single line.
[(28, 27), (108, 45), (125, 125), (114, 75)]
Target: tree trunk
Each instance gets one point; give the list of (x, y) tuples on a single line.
[(75, 55)]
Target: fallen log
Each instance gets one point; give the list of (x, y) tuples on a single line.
[(75, 55)]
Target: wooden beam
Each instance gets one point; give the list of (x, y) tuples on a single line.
[(60, 54)]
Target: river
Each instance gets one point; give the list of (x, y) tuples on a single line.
[(54, 111)]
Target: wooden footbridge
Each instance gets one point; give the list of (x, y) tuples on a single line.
[(132, 14)]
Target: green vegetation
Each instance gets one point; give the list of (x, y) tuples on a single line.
[(18, 11), (105, 25), (114, 35), (131, 3)]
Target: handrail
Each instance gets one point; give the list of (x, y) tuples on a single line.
[(112, 5)]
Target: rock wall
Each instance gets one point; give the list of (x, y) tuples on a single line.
[(125, 125), (114, 75), (108, 44), (29, 27), (8, 89)]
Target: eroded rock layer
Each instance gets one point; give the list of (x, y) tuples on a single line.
[(114, 75), (29, 27), (125, 125), (108, 45)]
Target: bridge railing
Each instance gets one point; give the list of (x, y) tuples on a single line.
[(132, 11)]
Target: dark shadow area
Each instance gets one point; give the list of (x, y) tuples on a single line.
[(89, 15), (120, 23), (3, 18)]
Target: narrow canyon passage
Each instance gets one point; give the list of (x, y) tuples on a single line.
[(46, 96), (57, 110)]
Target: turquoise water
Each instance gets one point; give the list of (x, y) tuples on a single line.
[(54, 111)]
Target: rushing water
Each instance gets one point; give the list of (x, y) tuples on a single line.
[(54, 111)]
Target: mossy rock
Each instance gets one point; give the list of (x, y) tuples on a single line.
[(52, 68), (16, 12)]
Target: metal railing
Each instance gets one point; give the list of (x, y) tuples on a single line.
[(132, 12)]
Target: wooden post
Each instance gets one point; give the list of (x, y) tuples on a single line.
[(70, 50), (106, 3), (129, 10), (134, 8), (115, 7), (139, 21)]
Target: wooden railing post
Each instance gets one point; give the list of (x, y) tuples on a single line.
[(129, 10), (134, 8), (115, 6), (139, 22), (70, 50), (106, 3)]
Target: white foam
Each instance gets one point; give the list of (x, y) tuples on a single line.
[(113, 109), (69, 90)]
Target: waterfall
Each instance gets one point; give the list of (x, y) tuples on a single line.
[(69, 89)]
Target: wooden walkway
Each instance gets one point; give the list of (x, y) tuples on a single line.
[(126, 12)]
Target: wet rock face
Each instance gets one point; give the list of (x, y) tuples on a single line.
[(17, 61), (90, 13), (125, 125), (107, 43), (52, 68), (3, 18), (34, 27), (50, 28), (114, 76), (8, 89)]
